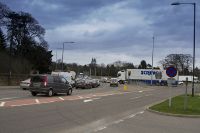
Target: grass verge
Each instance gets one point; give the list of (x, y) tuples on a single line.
[(193, 106)]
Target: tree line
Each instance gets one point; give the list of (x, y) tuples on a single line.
[(22, 44)]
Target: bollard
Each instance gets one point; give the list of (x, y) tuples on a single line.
[(185, 98), (125, 87)]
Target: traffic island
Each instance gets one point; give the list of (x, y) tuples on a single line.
[(179, 106)]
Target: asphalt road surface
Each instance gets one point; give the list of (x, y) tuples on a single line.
[(104, 110)]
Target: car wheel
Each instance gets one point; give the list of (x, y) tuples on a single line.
[(90, 87), (34, 93), (50, 93), (69, 92)]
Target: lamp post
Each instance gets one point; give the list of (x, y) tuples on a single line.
[(194, 5), (63, 52), (152, 62)]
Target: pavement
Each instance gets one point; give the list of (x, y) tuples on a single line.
[(104, 110)]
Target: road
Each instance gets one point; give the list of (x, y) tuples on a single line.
[(103, 110)]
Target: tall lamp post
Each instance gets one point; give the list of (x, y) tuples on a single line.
[(63, 51), (194, 5), (152, 62)]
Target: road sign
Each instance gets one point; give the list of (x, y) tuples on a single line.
[(171, 71)]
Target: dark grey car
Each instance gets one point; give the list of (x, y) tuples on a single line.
[(49, 85)]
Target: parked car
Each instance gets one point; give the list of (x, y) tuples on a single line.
[(25, 84), (104, 79), (50, 85), (113, 82), (83, 84), (95, 83)]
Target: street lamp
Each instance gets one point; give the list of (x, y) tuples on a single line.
[(194, 5), (152, 62), (63, 52)]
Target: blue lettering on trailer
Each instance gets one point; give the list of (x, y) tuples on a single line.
[(148, 72)]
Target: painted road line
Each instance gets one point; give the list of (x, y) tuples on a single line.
[(88, 100), (37, 101), (135, 98), (2, 104), (96, 98), (22, 105), (118, 121), (61, 98), (140, 91), (141, 112), (148, 95), (80, 97), (131, 116), (7, 98), (48, 102), (100, 128)]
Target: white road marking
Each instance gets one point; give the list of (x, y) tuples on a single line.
[(100, 128), (141, 112), (22, 104), (2, 104), (140, 91), (133, 115), (148, 95), (80, 97), (61, 98), (7, 98), (96, 98), (88, 100), (135, 97), (37, 101), (118, 121)]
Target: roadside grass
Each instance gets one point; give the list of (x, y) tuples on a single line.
[(177, 107)]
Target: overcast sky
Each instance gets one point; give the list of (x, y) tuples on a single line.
[(112, 30)]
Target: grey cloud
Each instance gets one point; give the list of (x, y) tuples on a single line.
[(114, 25)]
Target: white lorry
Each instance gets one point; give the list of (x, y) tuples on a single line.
[(182, 78), (156, 76), (69, 76)]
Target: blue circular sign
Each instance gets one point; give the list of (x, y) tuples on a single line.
[(171, 71)]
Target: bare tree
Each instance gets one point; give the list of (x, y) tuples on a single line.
[(181, 61)]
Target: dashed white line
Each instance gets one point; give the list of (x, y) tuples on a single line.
[(88, 100), (80, 97), (100, 128), (141, 112), (23, 104), (2, 104), (118, 121), (135, 97), (148, 95), (131, 116), (96, 98), (61, 98), (7, 98), (37, 101), (140, 91)]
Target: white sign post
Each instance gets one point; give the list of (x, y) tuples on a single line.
[(185, 99), (171, 72), (170, 82)]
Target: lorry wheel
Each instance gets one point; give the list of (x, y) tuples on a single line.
[(34, 93)]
